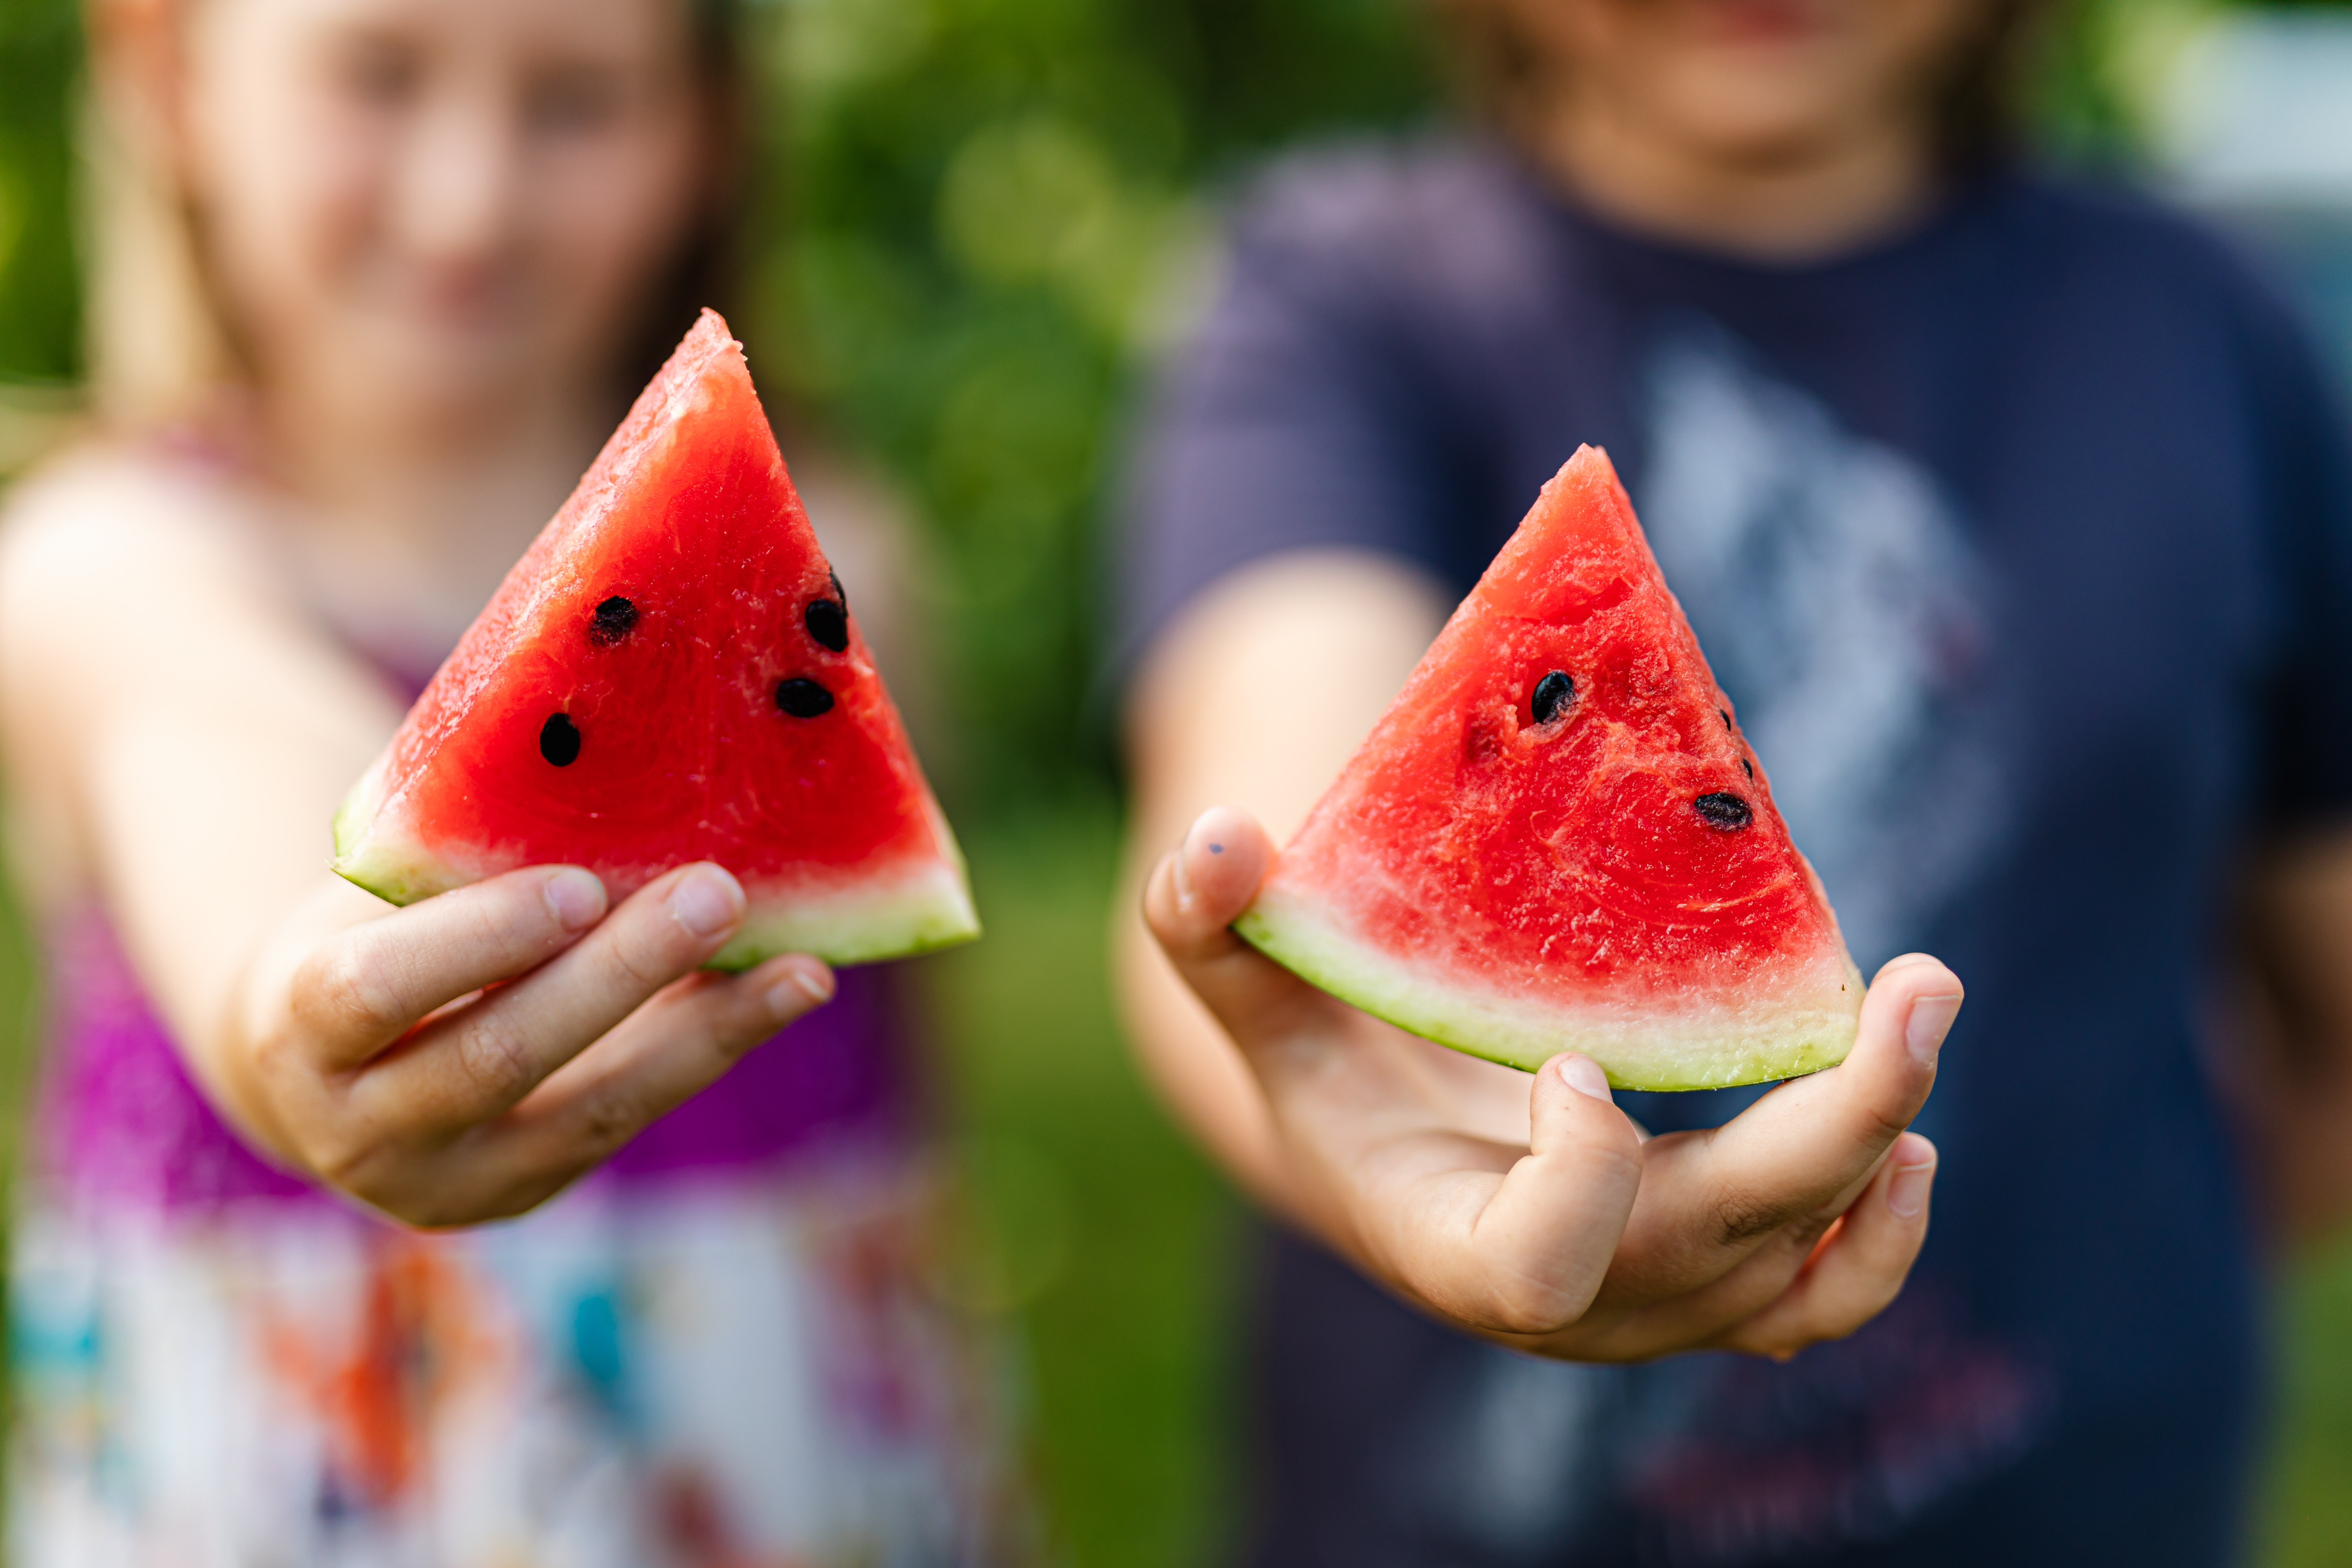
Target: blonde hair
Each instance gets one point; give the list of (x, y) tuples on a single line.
[(159, 349), (154, 341)]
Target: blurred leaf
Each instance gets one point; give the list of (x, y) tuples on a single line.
[(994, 213), (40, 60)]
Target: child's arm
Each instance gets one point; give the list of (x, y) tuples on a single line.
[(1530, 1209), (179, 736)]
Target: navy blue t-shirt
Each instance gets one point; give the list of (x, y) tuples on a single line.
[(2023, 541)]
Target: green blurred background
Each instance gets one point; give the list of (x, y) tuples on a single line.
[(976, 222)]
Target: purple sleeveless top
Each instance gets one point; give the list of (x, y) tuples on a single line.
[(119, 1122)]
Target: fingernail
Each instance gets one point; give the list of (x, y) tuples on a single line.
[(1906, 1194), (707, 901), (1931, 1020), (1583, 1075), (799, 991), (575, 898)]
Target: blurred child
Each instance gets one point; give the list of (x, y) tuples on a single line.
[(372, 280), (2017, 519)]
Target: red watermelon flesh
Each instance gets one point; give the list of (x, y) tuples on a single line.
[(671, 674), (1556, 839)]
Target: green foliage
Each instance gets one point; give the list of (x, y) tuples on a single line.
[(2103, 65), (2305, 1514), (40, 59), (1095, 1234), (985, 215)]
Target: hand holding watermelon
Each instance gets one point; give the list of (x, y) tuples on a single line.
[(670, 693), (1533, 1210), (669, 706), (1557, 851), (463, 1060)]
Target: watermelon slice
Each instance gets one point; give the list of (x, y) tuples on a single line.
[(670, 674), (1556, 839)]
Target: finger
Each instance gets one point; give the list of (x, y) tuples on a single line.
[(1763, 1276), (1539, 1248), (1191, 903), (478, 1062), (365, 987), (1860, 1268), (1802, 1153), (663, 1054)]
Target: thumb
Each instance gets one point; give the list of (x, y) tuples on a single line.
[(1194, 896), (1210, 879)]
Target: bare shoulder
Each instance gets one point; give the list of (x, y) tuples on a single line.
[(101, 556), (142, 614), (124, 581), (104, 522)]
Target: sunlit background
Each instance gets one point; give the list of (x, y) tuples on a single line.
[(976, 222)]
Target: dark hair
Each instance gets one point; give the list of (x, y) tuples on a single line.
[(1502, 75), (1980, 118)]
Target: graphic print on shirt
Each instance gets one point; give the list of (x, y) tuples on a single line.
[(1842, 607), (1718, 1461)]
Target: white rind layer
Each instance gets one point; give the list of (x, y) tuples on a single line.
[(1704, 1043), (914, 905), (917, 908)]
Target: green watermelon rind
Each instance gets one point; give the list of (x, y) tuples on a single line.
[(922, 907), (1653, 1048)]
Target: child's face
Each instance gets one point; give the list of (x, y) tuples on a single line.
[(437, 212), (1753, 82)]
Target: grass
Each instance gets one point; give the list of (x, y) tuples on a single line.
[(1104, 1241), (2307, 1507)]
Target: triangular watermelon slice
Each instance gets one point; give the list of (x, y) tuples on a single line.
[(669, 674), (1556, 839)]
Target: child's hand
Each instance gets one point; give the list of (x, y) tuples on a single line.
[(371, 1062), (1532, 1210)]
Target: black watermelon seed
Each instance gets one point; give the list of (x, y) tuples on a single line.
[(838, 592), (828, 622), (1552, 693), (615, 619), (1748, 768), (803, 698), (1724, 811), (559, 740), (1724, 714)]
